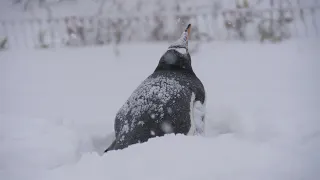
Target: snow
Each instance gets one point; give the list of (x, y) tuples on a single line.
[(58, 105), (141, 100), (23, 28), (8, 11), (160, 88)]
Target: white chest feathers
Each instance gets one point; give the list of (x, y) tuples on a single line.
[(197, 117)]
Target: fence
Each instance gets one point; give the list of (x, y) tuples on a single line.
[(241, 24)]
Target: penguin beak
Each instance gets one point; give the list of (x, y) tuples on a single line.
[(188, 30), (182, 42)]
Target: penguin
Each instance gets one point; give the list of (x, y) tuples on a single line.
[(170, 100)]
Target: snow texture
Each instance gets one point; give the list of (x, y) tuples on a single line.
[(57, 109), (129, 7), (207, 18), (158, 88)]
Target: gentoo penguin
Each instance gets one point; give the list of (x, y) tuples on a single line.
[(170, 100)]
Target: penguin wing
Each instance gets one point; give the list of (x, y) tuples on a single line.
[(197, 117)]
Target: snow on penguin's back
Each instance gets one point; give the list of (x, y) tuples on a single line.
[(168, 101)]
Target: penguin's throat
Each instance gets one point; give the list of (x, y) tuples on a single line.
[(181, 50)]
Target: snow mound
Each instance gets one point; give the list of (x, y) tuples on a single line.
[(182, 157), (34, 143), (57, 110)]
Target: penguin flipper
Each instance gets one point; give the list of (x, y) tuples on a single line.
[(199, 112), (111, 147)]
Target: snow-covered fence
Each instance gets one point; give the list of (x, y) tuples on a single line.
[(245, 24), (274, 24)]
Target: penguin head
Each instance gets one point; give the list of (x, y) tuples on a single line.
[(177, 56)]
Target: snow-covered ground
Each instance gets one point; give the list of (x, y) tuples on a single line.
[(57, 108)]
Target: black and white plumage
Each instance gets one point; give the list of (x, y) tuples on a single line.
[(170, 100)]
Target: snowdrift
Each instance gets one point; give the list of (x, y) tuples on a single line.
[(57, 109)]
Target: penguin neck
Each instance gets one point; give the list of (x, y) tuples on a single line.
[(172, 60), (174, 68)]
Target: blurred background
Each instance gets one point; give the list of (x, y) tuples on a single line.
[(60, 23)]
